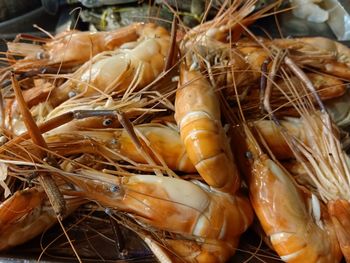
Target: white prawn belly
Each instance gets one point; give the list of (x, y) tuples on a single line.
[(105, 71), (179, 191)]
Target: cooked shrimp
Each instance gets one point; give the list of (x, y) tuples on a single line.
[(135, 63), (328, 85), (296, 127), (128, 67), (329, 169), (284, 212), (197, 113), (339, 51), (212, 41), (327, 164), (27, 214), (324, 54), (161, 142), (73, 48), (84, 113), (188, 208), (329, 89)]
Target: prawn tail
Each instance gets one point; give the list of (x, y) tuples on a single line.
[(203, 251)]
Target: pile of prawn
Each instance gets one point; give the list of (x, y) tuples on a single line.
[(188, 135)]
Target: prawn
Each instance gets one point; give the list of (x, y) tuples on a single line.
[(332, 180), (73, 48), (27, 214), (284, 213), (197, 108), (214, 42), (259, 52), (84, 113), (128, 67), (197, 113), (275, 139), (197, 211), (135, 63), (161, 142), (323, 159), (329, 89), (335, 57)]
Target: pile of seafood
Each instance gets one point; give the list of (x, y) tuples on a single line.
[(190, 136)]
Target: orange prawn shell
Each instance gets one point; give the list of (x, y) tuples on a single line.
[(15, 218), (165, 142), (174, 205), (288, 233), (184, 218), (190, 92), (17, 205), (197, 113)]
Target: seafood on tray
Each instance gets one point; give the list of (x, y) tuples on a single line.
[(187, 138)]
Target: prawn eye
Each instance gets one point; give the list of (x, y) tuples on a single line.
[(248, 155), (41, 55), (107, 122), (114, 188), (72, 94), (3, 140)]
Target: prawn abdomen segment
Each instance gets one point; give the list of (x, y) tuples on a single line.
[(164, 141), (195, 94), (298, 247), (197, 113), (205, 140), (226, 218)]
